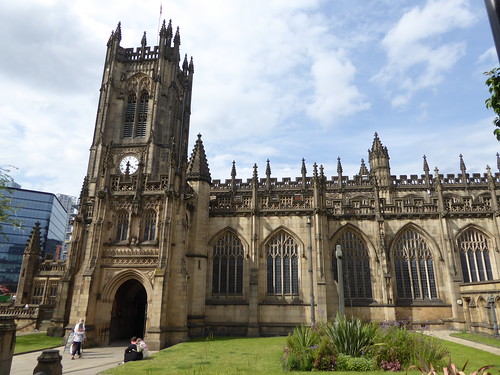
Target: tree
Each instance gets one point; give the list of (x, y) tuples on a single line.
[(6, 208), (493, 102)]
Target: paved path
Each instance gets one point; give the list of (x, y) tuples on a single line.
[(445, 335), (93, 361)]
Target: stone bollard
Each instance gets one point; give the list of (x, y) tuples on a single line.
[(49, 363), (7, 342)]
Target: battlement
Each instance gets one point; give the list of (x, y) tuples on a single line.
[(410, 195), (413, 181), (139, 54)]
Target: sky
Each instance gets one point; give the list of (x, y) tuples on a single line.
[(273, 79)]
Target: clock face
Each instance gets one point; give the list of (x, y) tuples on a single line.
[(129, 163)]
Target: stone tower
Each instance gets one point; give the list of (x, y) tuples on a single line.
[(126, 271), (31, 258)]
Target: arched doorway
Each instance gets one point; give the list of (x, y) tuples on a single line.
[(128, 316)]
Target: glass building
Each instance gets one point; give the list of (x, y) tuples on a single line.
[(29, 207)]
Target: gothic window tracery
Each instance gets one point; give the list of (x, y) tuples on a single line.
[(282, 265), (149, 225), (227, 265), (414, 267), (122, 226), (356, 266), (474, 256)]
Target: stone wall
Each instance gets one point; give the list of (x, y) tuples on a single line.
[(479, 300)]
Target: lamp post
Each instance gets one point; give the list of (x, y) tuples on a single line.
[(311, 280), (491, 302), (338, 255)]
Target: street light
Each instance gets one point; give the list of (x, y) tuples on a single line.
[(338, 255)]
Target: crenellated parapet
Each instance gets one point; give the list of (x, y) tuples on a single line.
[(463, 195)]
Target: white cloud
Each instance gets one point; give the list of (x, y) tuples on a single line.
[(335, 95), (281, 79), (418, 57)]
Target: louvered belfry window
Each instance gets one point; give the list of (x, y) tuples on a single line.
[(282, 266), (142, 115), (356, 266), (414, 267), (136, 115), (474, 256), (227, 265), (130, 115)]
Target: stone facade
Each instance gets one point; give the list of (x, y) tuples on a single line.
[(160, 250)]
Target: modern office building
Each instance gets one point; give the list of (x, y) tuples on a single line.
[(69, 204), (30, 207)]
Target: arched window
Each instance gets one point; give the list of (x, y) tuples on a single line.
[(122, 226), (227, 271), (149, 225), (142, 115), (130, 115), (136, 116), (356, 266), (474, 256), (282, 266), (415, 279)]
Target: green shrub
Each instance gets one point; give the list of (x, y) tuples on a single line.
[(324, 357), (300, 350), (394, 344), (302, 337), (298, 360), (350, 336), (404, 346), (430, 350), (349, 363)]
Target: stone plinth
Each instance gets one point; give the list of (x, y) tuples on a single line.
[(49, 363), (7, 342)]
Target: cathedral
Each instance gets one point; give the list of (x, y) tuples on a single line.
[(160, 250)]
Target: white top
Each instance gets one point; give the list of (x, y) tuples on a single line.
[(79, 332)]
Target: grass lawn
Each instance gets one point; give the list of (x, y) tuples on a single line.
[(492, 341), (228, 355), (35, 341)]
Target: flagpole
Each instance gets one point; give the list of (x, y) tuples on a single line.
[(159, 20)]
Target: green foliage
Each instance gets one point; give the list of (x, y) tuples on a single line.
[(324, 357), (350, 336), (430, 349), (301, 346), (349, 363), (493, 102), (6, 208), (302, 338), (395, 344), (404, 346)]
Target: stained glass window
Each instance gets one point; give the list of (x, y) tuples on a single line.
[(356, 266), (227, 265), (414, 267), (282, 266), (474, 256)]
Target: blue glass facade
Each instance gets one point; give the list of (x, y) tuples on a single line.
[(30, 207)]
